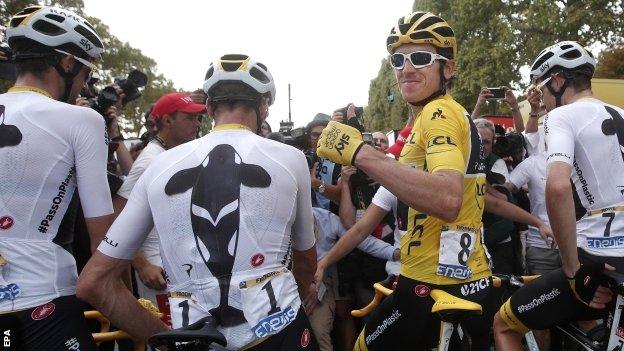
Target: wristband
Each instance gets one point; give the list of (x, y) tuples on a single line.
[(533, 115)]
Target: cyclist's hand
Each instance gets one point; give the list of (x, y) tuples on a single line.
[(534, 97), (546, 233), (152, 276), (591, 286), (339, 143), (311, 299)]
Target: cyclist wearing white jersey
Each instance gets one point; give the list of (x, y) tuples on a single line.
[(229, 208), (584, 142), (48, 148)]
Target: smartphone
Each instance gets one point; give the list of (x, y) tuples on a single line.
[(498, 93), (367, 138)]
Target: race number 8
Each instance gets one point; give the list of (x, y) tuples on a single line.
[(464, 242)]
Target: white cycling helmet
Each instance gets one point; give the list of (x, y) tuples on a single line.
[(236, 68), (566, 54), (57, 28)]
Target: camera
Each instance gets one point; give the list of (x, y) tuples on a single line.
[(367, 138), (296, 137), (108, 96), (508, 145)]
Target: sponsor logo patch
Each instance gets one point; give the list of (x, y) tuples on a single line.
[(257, 260), (43, 311), (6, 222), (422, 290), (305, 338)]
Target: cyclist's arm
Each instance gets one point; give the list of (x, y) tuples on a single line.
[(347, 209), (510, 211), (100, 281), (561, 215), (100, 284), (90, 154), (559, 199), (438, 192), (354, 236), (303, 240)]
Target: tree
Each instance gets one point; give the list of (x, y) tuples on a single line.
[(386, 108), (611, 64), (119, 59), (498, 37)]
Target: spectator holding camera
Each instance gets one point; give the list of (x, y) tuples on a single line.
[(324, 173), (176, 119), (505, 94), (492, 161), (380, 141)]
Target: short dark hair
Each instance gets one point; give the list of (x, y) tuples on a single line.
[(579, 80), (234, 95), (36, 66)]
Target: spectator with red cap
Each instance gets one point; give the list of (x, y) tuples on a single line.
[(177, 121)]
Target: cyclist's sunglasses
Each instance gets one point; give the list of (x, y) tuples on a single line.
[(419, 59)]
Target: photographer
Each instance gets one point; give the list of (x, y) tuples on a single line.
[(324, 173), (509, 98)]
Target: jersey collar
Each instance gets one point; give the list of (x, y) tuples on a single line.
[(230, 126), (26, 88)]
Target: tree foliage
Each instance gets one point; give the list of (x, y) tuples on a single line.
[(498, 37), (119, 59), (611, 64)]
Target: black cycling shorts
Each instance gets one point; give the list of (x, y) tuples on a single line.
[(296, 336), (404, 320), (58, 325), (549, 300)]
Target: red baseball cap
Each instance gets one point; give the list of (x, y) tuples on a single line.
[(175, 102)]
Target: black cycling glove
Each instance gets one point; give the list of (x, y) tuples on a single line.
[(586, 281)]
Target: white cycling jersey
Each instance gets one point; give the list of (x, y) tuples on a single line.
[(57, 147), (589, 136), (387, 201), (228, 207)]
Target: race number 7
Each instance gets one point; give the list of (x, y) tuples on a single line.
[(611, 216)]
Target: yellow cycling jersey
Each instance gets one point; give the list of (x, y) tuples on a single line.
[(445, 138)]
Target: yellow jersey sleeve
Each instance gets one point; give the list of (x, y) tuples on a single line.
[(443, 132)]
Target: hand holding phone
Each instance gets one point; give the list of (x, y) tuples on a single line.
[(497, 93)]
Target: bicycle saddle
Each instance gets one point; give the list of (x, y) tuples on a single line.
[(203, 331), (446, 303)]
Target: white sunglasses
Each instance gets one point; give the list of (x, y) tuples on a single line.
[(79, 59), (419, 59)]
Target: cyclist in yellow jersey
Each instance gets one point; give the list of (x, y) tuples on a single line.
[(439, 181)]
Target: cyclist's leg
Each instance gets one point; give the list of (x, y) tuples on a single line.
[(295, 337), (540, 261), (478, 326), (546, 302), (56, 325), (402, 321)]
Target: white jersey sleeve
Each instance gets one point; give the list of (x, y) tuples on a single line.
[(91, 152), (520, 175), (500, 167), (384, 199), (303, 226), (126, 235), (138, 167), (559, 138)]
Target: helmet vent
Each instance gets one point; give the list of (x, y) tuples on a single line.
[(262, 65), (234, 57), (566, 47), (209, 73), (543, 59), (430, 21), (420, 35), (445, 31), (231, 66), (572, 54), (56, 18), (259, 75), (48, 28), (89, 35)]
